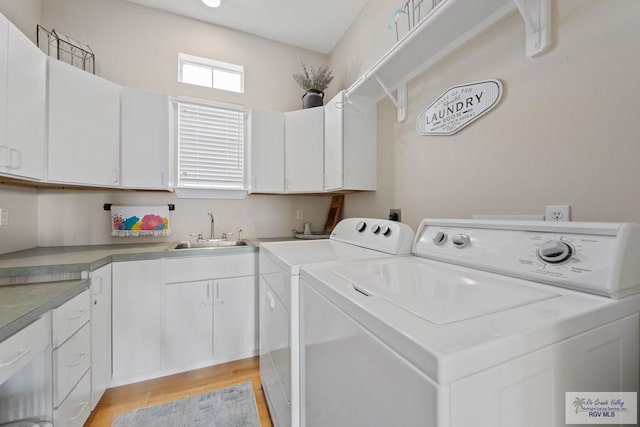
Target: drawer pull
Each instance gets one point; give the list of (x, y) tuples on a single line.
[(21, 353), (84, 406), (79, 361), (272, 301), (78, 315)]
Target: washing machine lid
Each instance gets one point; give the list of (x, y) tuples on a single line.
[(291, 255), (441, 295)]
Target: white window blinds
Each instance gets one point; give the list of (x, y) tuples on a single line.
[(211, 147)]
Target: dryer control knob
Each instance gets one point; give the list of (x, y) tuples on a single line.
[(461, 240), (386, 230), (440, 238), (361, 226), (375, 229), (555, 251)]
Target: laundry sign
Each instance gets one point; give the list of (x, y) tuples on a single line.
[(458, 107)]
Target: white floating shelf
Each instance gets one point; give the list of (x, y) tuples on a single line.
[(448, 26)]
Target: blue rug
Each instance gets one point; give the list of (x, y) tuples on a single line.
[(230, 407)]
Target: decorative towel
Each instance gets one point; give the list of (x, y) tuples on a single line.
[(135, 221)]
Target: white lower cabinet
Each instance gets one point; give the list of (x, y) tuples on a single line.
[(75, 410), (71, 338), (209, 317), (188, 323), (100, 332), (182, 313), (234, 318), (137, 319)]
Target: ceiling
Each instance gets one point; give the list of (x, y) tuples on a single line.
[(312, 24)]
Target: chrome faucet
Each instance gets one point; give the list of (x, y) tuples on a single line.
[(212, 236)]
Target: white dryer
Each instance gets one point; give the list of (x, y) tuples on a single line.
[(279, 266), (489, 324)]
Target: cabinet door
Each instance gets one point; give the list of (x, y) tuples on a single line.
[(304, 150), (26, 98), (100, 332), (137, 319), (333, 159), (146, 136), (266, 152), (234, 318), (188, 324), (84, 127), (359, 144), (4, 47)]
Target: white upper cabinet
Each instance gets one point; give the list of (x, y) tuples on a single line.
[(350, 148), (4, 59), (146, 120), (359, 140), (304, 150), (22, 123), (333, 136), (266, 152), (84, 127)]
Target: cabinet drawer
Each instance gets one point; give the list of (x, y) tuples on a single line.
[(70, 362), (20, 348), (76, 408), (212, 267), (70, 317)]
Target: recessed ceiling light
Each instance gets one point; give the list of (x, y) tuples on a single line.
[(211, 3)]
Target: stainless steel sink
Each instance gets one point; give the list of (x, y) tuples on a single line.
[(207, 244)]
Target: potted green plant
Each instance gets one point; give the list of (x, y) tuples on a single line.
[(314, 81)]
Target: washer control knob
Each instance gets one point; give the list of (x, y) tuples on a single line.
[(461, 240), (440, 238), (375, 229), (555, 251), (386, 230), (361, 226)]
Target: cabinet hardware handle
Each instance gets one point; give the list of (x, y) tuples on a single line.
[(97, 281), (217, 299), (79, 361), (162, 178), (272, 301), (209, 291), (21, 353), (18, 155), (7, 161), (84, 406), (79, 314), (114, 176)]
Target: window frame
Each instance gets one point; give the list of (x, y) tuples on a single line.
[(213, 65)]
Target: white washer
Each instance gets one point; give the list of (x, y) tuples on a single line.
[(279, 266), (488, 325)]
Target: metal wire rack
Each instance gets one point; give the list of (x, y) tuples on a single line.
[(413, 11), (66, 49)]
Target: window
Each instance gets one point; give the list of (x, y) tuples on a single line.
[(209, 73), (210, 147)]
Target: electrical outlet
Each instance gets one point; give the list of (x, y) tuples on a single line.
[(300, 214), (395, 215), (558, 213), (4, 217)]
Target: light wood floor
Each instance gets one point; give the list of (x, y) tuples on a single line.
[(179, 386)]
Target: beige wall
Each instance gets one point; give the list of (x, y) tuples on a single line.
[(77, 217), (138, 47), (22, 231), (565, 132), (25, 14)]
